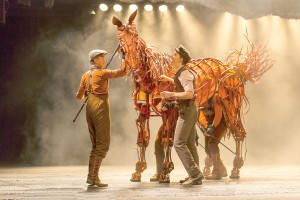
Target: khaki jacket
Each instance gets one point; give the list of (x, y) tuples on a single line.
[(99, 81)]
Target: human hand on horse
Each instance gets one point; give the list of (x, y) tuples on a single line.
[(124, 66), (210, 129), (121, 52), (167, 95), (165, 78)]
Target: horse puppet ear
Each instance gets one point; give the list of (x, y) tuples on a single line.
[(132, 17), (116, 21)]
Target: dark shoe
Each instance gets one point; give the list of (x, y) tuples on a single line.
[(193, 181), (183, 180), (197, 182), (154, 178)]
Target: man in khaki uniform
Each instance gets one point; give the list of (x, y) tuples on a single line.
[(94, 84), (185, 132)]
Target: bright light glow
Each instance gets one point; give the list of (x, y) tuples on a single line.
[(163, 8), (133, 7), (117, 7), (148, 7), (92, 12), (180, 8), (103, 7)]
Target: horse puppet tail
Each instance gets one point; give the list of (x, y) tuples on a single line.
[(243, 66), (252, 63)]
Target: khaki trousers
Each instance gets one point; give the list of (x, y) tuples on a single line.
[(98, 120), (184, 138)]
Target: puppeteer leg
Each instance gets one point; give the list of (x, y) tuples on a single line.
[(98, 108), (208, 160), (95, 176), (219, 170), (159, 155), (216, 172)]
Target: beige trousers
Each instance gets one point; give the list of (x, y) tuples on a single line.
[(184, 138), (98, 120)]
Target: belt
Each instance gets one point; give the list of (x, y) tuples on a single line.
[(185, 102), (99, 95)]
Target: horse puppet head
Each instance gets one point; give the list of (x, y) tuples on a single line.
[(129, 40), (146, 65)]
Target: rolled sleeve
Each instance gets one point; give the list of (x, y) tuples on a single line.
[(113, 73), (186, 79)]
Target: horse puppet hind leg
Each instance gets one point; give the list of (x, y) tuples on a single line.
[(238, 132), (238, 161), (169, 116), (237, 129), (142, 142), (231, 91)]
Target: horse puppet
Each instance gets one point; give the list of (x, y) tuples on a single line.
[(214, 79)]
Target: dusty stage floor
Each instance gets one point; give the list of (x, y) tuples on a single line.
[(69, 183)]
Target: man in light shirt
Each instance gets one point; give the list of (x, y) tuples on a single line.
[(185, 132)]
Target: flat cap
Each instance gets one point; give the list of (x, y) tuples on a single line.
[(183, 53), (96, 52)]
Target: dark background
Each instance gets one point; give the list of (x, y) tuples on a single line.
[(24, 74)]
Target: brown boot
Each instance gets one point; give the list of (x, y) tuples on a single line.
[(216, 172), (99, 183), (93, 177), (90, 175)]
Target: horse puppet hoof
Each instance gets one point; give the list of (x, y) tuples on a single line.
[(135, 177), (164, 178), (135, 180), (235, 174)]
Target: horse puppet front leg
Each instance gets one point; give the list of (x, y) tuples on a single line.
[(169, 117), (143, 138)]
